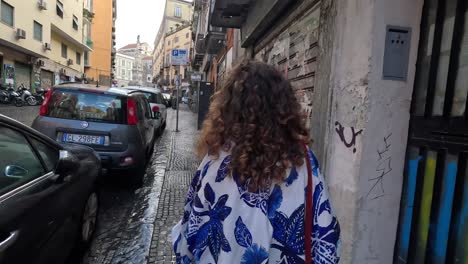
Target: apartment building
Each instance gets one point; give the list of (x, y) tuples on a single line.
[(178, 39), (175, 27), (100, 62), (44, 47)]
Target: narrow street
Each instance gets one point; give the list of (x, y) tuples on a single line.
[(134, 225)]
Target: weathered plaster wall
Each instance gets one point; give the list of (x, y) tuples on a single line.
[(368, 126), (383, 155)]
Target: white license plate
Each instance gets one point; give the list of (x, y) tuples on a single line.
[(83, 139)]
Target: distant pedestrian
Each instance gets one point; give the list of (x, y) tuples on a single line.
[(247, 201)]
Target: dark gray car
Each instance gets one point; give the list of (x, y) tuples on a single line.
[(48, 195), (119, 124)]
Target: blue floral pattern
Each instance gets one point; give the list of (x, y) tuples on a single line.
[(224, 222), (211, 234), (254, 254)]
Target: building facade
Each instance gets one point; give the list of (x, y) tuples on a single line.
[(123, 70), (383, 86), (45, 47), (100, 61), (174, 33), (147, 67), (138, 51), (177, 39)]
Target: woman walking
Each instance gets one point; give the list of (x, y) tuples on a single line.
[(258, 195)]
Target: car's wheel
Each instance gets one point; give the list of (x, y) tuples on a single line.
[(89, 218)]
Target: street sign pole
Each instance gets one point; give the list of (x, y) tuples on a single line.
[(178, 58), (177, 108)]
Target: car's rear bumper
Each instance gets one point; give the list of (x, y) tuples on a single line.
[(115, 161)]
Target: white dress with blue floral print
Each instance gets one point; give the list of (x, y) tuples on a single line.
[(225, 223)]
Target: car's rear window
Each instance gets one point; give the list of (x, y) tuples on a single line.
[(89, 106)]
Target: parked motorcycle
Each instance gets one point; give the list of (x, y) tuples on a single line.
[(26, 95), (4, 95), (9, 95), (14, 97), (40, 96)]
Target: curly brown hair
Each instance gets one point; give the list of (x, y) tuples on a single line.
[(257, 117)]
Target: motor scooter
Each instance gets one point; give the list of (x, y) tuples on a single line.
[(40, 95), (9, 95), (26, 95)]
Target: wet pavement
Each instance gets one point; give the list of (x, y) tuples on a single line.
[(24, 114), (134, 225)]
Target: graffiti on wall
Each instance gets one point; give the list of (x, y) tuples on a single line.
[(383, 168), (348, 142)]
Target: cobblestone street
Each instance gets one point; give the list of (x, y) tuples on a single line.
[(134, 226)]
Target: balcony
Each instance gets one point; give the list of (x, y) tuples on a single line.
[(88, 14), (200, 46), (230, 13), (89, 43), (215, 39)]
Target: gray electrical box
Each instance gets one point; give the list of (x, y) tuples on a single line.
[(396, 57)]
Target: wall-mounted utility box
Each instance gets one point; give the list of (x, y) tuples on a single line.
[(396, 57)]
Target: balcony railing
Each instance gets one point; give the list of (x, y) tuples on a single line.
[(89, 43)]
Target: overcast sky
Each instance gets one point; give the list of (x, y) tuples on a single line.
[(138, 17)]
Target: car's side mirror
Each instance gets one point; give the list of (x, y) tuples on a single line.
[(14, 171), (67, 163)]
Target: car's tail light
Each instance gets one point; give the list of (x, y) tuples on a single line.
[(45, 104), (131, 112), (155, 108)]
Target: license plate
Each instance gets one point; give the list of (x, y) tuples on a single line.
[(83, 139)]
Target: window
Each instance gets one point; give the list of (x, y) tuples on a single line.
[(49, 155), (78, 58), (79, 105), (187, 35), (18, 163), (123, 72), (59, 9), (37, 31), (64, 51), (7, 14), (176, 39), (178, 11), (168, 42), (75, 23), (159, 99)]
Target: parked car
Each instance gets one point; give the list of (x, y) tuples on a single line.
[(185, 100), (48, 195), (117, 123), (168, 99), (155, 98)]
